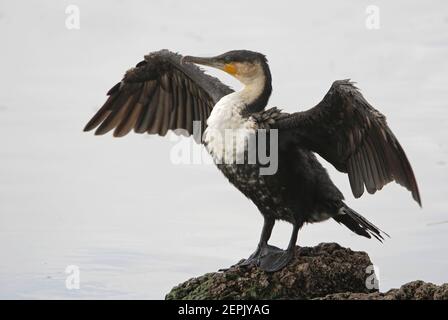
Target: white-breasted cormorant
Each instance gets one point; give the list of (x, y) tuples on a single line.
[(166, 91)]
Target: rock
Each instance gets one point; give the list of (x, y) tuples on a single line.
[(315, 272), (325, 272), (415, 290)]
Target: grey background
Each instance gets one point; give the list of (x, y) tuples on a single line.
[(136, 224)]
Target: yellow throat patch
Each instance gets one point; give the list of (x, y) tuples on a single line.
[(230, 68)]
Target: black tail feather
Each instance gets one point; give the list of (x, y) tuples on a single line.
[(358, 224)]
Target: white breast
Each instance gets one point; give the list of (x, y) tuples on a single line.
[(227, 132)]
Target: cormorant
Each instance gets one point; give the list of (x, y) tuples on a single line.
[(166, 91)]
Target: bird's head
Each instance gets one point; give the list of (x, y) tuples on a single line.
[(246, 66)]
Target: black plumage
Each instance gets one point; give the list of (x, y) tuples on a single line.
[(165, 92), (354, 137), (158, 95)]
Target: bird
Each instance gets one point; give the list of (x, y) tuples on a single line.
[(170, 92)]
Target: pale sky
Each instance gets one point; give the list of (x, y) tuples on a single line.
[(137, 224)]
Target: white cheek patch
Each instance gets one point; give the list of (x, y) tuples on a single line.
[(247, 73)]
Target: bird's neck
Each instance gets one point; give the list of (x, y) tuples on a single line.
[(256, 91)]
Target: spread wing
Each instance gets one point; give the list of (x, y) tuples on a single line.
[(353, 136), (158, 95)]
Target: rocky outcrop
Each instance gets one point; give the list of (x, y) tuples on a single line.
[(327, 271), (315, 272), (415, 290)]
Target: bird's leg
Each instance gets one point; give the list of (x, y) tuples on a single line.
[(275, 261), (263, 248)]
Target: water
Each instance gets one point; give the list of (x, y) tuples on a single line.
[(136, 224)]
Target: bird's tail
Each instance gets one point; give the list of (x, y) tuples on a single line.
[(358, 224)]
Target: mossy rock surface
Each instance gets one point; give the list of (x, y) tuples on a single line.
[(315, 272), (415, 290), (325, 272)]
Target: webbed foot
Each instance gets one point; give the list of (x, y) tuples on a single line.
[(255, 258), (276, 261), (259, 254)]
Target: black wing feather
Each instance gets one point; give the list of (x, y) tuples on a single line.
[(158, 95), (353, 136)]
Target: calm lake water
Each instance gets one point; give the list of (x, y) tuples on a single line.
[(134, 223)]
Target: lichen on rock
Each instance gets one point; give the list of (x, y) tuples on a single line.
[(415, 290), (324, 272), (315, 272)]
